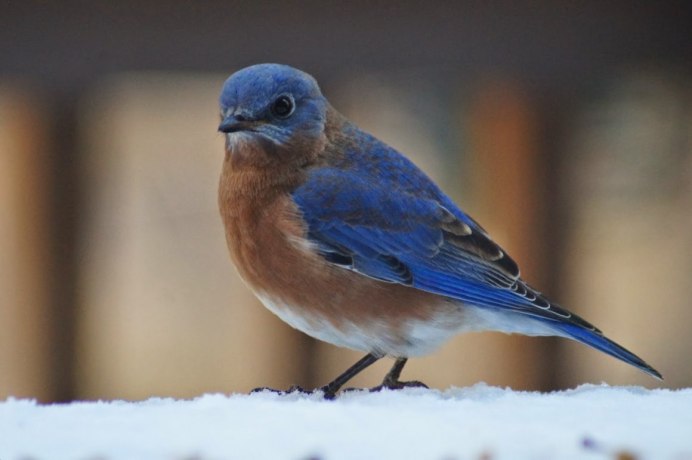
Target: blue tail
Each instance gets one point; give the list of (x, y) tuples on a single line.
[(595, 339)]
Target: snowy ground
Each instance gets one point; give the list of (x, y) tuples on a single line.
[(479, 422)]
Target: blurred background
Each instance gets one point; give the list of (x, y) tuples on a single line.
[(564, 128)]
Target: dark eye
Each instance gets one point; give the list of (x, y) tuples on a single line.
[(283, 106)]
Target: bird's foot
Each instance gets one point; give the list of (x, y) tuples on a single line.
[(329, 390), (391, 384), (386, 385)]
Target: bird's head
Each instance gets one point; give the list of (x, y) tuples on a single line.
[(272, 110)]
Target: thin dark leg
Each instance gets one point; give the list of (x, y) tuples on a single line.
[(395, 372), (391, 380), (335, 385)]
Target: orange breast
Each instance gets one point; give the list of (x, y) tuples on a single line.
[(267, 241)]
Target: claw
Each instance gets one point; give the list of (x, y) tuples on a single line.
[(398, 385), (328, 393)]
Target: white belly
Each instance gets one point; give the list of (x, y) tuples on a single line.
[(416, 338)]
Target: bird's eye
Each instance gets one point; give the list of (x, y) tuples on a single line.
[(283, 106)]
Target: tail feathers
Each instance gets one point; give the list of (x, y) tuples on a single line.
[(598, 341)]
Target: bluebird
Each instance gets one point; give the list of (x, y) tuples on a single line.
[(346, 240)]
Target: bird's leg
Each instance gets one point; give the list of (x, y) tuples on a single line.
[(391, 380), (335, 385), (332, 387)]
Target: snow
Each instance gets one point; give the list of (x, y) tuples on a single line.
[(591, 421)]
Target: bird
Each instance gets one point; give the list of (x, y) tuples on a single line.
[(347, 240)]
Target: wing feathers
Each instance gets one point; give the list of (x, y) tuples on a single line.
[(401, 238)]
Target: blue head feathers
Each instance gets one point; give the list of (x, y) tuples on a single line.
[(272, 102)]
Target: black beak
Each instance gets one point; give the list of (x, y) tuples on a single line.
[(233, 123)]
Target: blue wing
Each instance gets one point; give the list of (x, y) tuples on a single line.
[(398, 237), (381, 229)]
